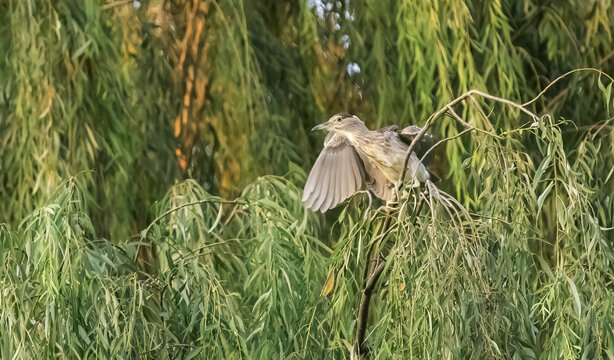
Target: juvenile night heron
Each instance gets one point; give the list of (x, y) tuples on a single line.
[(355, 158)]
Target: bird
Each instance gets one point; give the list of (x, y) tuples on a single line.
[(356, 159)]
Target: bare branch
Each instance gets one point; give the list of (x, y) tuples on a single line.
[(116, 4), (442, 111), (562, 77)]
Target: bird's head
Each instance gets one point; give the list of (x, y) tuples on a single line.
[(340, 122)]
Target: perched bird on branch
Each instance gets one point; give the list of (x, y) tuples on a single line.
[(355, 158)]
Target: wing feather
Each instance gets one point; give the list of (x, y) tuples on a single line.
[(317, 174), (342, 177), (335, 200), (332, 184), (336, 175), (422, 146), (349, 186), (324, 184), (357, 171), (388, 128), (314, 176), (344, 186)]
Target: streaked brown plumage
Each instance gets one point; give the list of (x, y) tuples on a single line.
[(355, 158)]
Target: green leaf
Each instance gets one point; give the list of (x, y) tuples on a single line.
[(542, 197), (84, 335), (576, 296), (193, 353), (608, 97), (540, 172)]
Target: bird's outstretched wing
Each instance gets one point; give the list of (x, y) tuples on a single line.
[(336, 175)]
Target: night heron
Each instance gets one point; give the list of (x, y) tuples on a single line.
[(355, 158)]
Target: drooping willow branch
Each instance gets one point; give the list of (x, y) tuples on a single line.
[(376, 264), (170, 211), (442, 112), (562, 77), (373, 273), (145, 232)]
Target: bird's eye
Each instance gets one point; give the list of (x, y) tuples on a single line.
[(338, 119)]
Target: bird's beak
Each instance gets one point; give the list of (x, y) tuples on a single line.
[(321, 126)]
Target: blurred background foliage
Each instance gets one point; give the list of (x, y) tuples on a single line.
[(152, 155)]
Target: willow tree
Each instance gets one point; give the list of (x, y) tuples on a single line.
[(153, 154), (73, 103)]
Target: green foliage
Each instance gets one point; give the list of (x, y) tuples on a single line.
[(73, 103), (126, 132), (221, 286)]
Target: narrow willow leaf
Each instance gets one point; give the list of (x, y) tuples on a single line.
[(540, 172), (330, 284), (608, 97), (576, 296), (542, 197)]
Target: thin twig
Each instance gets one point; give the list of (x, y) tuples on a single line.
[(456, 117), (563, 76), (444, 140), (605, 123), (116, 4), (442, 111), (170, 211)]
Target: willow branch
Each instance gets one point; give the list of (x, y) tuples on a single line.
[(116, 4), (170, 211), (562, 77), (445, 109), (371, 276), (373, 273)]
